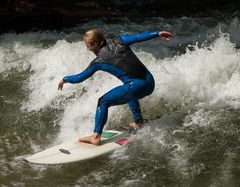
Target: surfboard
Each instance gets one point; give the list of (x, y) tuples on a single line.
[(77, 151)]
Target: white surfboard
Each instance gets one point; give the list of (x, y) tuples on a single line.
[(77, 151)]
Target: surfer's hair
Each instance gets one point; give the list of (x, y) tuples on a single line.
[(95, 36)]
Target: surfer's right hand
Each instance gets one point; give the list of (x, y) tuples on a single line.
[(60, 85), (166, 35)]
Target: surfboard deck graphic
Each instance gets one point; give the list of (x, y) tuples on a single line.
[(76, 151)]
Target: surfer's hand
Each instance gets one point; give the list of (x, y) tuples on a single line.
[(166, 35), (60, 85)]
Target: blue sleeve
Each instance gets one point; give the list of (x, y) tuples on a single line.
[(133, 38), (81, 76)]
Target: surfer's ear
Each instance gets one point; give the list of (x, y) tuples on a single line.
[(103, 42)]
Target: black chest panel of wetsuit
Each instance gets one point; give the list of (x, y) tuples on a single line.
[(117, 54)]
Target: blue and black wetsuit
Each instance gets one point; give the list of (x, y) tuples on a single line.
[(118, 59)]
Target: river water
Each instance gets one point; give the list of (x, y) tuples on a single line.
[(193, 134)]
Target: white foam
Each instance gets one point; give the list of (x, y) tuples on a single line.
[(200, 118), (16, 58), (207, 74), (16, 50)]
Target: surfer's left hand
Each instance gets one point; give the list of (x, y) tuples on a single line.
[(166, 35), (60, 85)]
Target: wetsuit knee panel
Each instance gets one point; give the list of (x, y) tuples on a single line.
[(99, 102)]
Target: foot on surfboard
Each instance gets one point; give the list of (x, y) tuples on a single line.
[(92, 139), (134, 127)]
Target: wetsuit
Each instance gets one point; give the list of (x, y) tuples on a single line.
[(118, 59)]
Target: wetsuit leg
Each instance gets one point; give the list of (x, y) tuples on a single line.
[(127, 93), (116, 96), (136, 111), (101, 116)]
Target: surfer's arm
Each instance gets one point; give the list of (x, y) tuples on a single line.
[(133, 38), (81, 76)]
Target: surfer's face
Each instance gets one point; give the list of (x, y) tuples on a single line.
[(92, 46)]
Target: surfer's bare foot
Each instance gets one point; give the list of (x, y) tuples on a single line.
[(135, 126), (92, 139)]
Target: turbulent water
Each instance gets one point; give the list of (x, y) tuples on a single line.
[(193, 134)]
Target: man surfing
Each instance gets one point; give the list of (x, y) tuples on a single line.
[(118, 59)]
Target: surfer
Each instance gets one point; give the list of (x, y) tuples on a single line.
[(118, 59)]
